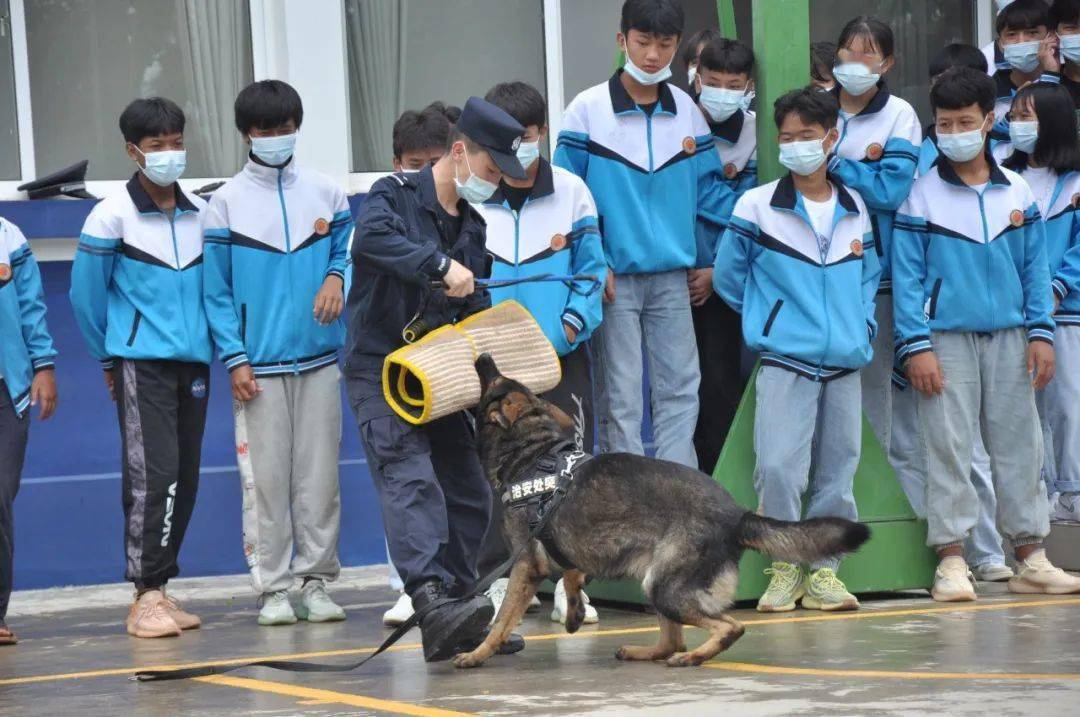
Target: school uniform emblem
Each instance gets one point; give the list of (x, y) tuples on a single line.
[(558, 242), (856, 247), (689, 145), (730, 170), (1016, 218), (5, 272), (874, 152), (322, 227)]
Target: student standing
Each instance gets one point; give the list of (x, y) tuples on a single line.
[(1065, 23), (276, 240), (692, 49), (975, 336), (724, 88), (876, 155), (1046, 153), (27, 379), (545, 224), (136, 290), (415, 229), (646, 154), (798, 262)]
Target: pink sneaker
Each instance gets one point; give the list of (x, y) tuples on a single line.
[(150, 618), (183, 619)]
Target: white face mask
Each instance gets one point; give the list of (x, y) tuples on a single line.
[(721, 103), (805, 157), (1024, 135), (528, 152), (643, 77), (962, 146), (165, 167), (855, 77), (1070, 47), (1023, 56), (475, 190)]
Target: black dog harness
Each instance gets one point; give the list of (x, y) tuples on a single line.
[(543, 490), (558, 465)]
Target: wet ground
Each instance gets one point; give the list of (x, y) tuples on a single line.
[(1005, 654)]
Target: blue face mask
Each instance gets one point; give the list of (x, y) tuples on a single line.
[(643, 77), (803, 158), (163, 168), (855, 77), (527, 153), (1070, 47), (1023, 56), (721, 103), (1024, 135), (474, 190), (961, 146), (274, 151)]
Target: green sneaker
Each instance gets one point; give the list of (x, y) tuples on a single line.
[(825, 591), (785, 588)]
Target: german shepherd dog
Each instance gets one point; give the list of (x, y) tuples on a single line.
[(626, 516)]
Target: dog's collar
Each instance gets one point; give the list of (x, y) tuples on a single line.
[(554, 471)]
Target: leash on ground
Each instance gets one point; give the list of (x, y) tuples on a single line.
[(566, 477)]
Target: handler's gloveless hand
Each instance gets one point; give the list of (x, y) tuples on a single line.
[(459, 281)]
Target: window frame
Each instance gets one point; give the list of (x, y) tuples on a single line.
[(257, 12)]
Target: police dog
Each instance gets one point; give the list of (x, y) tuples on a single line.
[(626, 516)]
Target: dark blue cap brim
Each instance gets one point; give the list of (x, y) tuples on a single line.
[(509, 164)]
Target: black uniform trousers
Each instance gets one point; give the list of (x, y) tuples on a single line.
[(14, 431), (162, 410), (435, 500)]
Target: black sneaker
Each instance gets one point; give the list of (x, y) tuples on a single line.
[(451, 623)]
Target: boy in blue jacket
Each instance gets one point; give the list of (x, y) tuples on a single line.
[(798, 262), (975, 337), (647, 155), (276, 243), (26, 379), (545, 224), (136, 290)]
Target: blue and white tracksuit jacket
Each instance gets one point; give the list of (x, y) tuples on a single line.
[(969, 261), (25, 344), (877, 155), (136, 283), (554, 233), (1062, 217), (272, 237), (736, 143), (650, 175), (807, 304)]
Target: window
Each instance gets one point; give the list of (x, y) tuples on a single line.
[(404, 55), (89, 58), (9, 121), (920, 29)]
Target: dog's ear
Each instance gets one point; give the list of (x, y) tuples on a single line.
[(565, 422), (487, 371)]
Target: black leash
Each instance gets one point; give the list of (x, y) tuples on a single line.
[(566, 477)]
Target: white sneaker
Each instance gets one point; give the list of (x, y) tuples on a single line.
[(534, 604), (398, 614), (558, 613), (1065, 508), (497, 593), (1038, 575), (316, 605), (992, 572), (276, 609), (952, 581)]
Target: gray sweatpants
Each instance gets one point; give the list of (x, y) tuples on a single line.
[(807, 439), (986, 386), (287, 443), (1062, 403), (877, 375)]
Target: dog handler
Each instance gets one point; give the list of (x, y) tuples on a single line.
[(415, 229)]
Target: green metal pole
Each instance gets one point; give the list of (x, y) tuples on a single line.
[(725, 13), (782, 47)]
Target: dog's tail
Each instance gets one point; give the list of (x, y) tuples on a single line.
[(805, 541)]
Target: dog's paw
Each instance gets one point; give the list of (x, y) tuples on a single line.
[(684, 659), (467, 659), (637, 653)]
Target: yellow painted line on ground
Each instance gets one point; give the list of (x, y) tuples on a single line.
[(893, 674), (587, 633), (330, 697)]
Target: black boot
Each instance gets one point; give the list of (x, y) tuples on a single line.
[(452, 623)]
